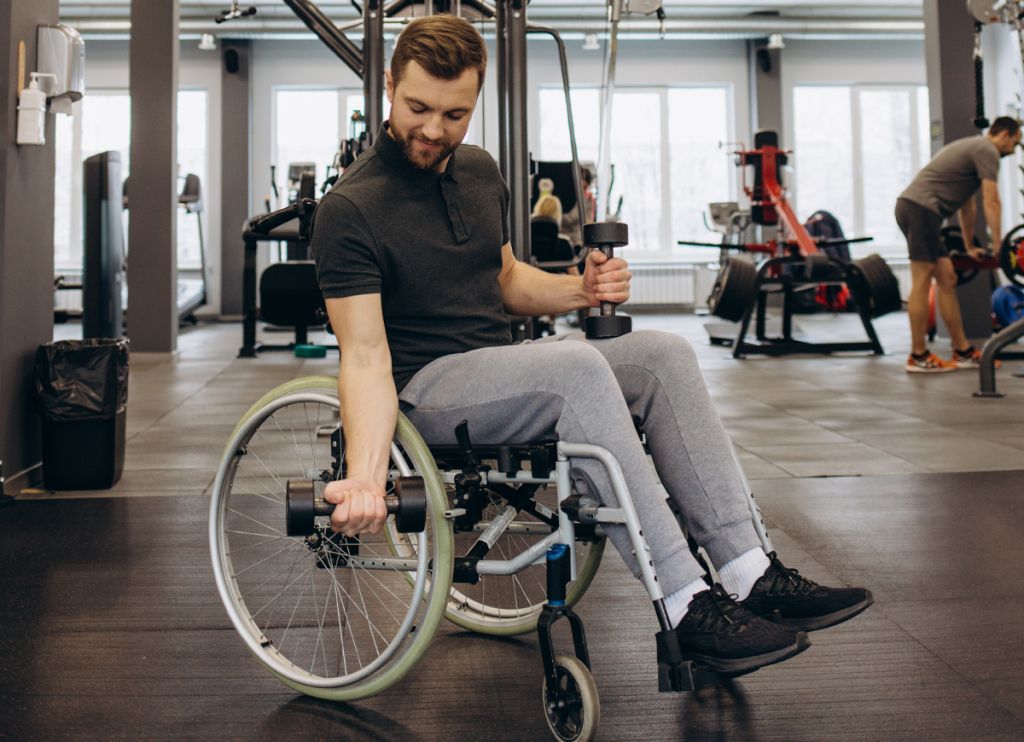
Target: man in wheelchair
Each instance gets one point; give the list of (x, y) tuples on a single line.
[(413, 257)]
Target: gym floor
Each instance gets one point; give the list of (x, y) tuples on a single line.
[(866, 475)]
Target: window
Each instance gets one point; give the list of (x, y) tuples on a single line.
[(636, 155), (823, 152), (65, 223), (307, 128), (554, 126), (657, 147), (102, 122), (856, 149), (702, 171), (191, 159)]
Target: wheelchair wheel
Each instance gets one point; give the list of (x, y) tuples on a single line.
[(331, 617), (572, 709), (510, 605), (497, 605)]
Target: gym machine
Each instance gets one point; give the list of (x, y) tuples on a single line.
[(103, 277), (289, 294), (741, 289), (1011, 260)]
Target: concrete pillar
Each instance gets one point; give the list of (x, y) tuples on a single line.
[(26, 247), (152, 197), (235, 169), (948, 46)]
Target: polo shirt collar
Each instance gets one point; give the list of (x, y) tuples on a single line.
[(391, 151)]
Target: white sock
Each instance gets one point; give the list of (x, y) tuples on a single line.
[(739, 575), (677, 603)]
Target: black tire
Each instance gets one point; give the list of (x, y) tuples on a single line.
[(734, 290), (877, 286)]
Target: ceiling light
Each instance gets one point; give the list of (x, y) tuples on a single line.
[(775, 41), (207, 42)]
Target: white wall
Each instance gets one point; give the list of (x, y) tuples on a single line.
[(847, 63)]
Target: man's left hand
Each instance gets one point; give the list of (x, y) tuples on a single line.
[(606, 279)]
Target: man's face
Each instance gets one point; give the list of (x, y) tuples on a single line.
[(429, 116), (1006, 143)]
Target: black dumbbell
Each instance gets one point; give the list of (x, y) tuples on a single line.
[(408, 504), (606, 236)]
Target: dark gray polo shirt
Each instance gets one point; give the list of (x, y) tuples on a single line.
[(429, 243), (954, 175)]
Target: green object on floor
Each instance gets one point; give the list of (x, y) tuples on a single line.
[(311, 351)]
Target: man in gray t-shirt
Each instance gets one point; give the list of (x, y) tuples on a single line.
[(944, 187)]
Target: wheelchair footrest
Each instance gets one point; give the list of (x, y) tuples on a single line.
[(677, 675)]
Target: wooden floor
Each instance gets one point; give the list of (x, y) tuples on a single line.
[(111, 627)]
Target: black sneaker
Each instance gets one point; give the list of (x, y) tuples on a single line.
[(720, 633), (785, 597)]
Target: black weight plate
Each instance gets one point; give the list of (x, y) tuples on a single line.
[(887, 298), (734, 290), (1011, 255), (598, 234), (878, 286)]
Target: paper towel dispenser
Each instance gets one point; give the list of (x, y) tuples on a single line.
[(61, 52)]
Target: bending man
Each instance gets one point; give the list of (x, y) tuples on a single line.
[(946, 186)]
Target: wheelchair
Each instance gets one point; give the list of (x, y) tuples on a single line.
[(493, 538)]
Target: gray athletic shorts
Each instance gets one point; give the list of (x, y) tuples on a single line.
[(923, 230)]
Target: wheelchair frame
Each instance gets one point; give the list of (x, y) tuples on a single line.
[(555, 549)]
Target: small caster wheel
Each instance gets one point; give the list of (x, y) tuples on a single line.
[(572, 710)]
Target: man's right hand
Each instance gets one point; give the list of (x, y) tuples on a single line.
[(359, 507)]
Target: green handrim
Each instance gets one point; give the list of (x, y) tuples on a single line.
[(423, 462)]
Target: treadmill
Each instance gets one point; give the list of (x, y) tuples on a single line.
[(191, 292)]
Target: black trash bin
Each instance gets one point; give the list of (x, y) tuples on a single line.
[(82, 390)]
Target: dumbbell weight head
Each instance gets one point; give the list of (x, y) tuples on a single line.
[(602, 234), (608, 326)]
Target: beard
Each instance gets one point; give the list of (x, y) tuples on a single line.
[(422, 160)]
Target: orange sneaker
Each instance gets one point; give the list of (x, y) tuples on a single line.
[(970, 358), (930, 364)]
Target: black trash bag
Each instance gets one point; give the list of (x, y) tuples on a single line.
[(82, 379)]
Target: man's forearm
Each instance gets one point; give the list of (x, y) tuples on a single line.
[(994, 219), (531, 292), (967, 221), (369, 411)]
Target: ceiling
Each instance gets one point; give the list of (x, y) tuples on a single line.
[(821, 18)]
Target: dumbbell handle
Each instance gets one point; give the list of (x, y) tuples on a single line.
[(322, 507), (607, 308)]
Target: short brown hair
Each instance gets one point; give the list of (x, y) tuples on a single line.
[(443, 45), (1004, 123)]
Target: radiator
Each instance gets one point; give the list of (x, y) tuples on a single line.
[(662, 285), (69, 299)]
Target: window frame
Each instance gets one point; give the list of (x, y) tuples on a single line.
[(666, 250), (76, 222), (912, 89)]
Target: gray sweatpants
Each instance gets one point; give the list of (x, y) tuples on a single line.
[(587, 391)]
